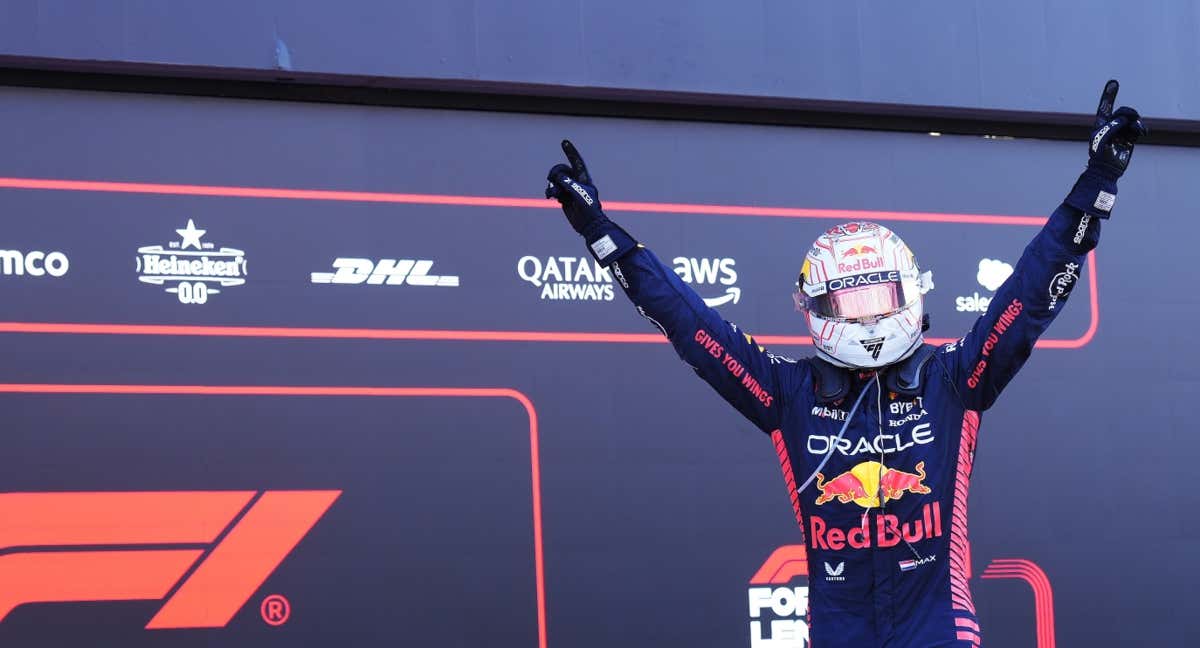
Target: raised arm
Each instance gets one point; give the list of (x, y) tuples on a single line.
[(754, 381), (983, 362)]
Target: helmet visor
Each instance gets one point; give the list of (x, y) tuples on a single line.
[(864, 301), (860, 297)]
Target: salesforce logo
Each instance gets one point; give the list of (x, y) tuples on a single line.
[(991, 275)]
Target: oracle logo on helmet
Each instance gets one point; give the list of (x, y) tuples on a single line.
[(862, 280)]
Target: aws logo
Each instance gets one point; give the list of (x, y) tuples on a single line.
[(710, 272), (212, 549)]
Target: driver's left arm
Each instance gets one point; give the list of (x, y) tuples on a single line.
[(999, 343), (997, 346)]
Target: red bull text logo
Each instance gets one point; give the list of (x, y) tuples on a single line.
[(864, 257), (886, 532)]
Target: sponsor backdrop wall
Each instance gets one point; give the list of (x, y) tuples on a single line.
[(401, 403), (1016, 55)]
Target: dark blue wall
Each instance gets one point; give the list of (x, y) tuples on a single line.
[(1019, 55), (659, 502)]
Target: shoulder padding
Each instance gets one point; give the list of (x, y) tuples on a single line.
[(832, 383), (904, 378)]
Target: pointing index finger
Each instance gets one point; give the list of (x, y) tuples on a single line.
[(1107, 99), (576, 160)]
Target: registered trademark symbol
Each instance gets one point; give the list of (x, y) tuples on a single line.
[(275, 610)]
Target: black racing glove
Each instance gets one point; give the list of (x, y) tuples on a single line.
[(1109, 151), (572, 187)]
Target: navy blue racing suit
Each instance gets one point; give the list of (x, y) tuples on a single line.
[(893, 575)]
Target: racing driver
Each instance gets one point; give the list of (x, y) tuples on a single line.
[(884, 495)]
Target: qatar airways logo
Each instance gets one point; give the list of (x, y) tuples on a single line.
[(566, 278)]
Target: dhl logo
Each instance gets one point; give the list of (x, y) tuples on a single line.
[(208, 550)]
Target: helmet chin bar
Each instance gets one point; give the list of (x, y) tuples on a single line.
[(903, 356), (859, 346)]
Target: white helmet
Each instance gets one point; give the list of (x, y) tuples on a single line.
[(863, 296)]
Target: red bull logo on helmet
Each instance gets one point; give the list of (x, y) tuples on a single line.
[(858, 250), (860, 258)]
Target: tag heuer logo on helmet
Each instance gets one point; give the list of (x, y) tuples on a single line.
[(873, 346)]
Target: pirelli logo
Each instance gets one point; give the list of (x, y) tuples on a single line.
[(204, 552)]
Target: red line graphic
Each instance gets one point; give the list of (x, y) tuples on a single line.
[(45, 184), (1043, 596), (244, 540), (960, 546), (789, 478), (495, 201)]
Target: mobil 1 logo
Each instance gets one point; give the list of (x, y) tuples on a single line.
[(191, 269)]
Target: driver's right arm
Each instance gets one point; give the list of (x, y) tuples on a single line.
[(754, 381)]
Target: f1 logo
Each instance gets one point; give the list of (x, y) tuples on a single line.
[(213, 549)]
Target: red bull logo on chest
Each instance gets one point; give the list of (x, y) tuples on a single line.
[(864, 483)]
